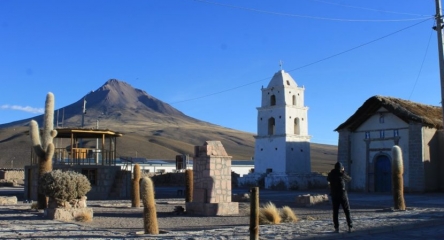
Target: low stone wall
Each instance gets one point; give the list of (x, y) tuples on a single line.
[(168, 179), (283, 181), (12, 174), (110, 181), (251, 180), (295, 181), (308, 200)]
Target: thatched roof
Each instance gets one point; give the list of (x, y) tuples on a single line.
[(408, 111)]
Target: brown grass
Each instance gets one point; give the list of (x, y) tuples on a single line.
[(311, 218), (288, 215), (35, 206), (269, 214), (84, 217)]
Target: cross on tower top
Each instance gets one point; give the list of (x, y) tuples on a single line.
[(280, 64)]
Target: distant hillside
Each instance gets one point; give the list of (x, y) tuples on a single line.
[(151, 129)]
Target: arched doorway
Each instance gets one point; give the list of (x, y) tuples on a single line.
[(383, 172)]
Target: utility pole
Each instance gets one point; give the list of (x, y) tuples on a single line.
[(97, 143), (438, 28), (83, 112), (83, 118)]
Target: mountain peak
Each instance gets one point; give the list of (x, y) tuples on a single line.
[(119, 101)]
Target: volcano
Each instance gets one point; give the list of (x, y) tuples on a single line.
[(151, 128)]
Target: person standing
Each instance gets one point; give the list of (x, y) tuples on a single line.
[(337, 179)]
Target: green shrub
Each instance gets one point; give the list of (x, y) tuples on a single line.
[(64, 186)]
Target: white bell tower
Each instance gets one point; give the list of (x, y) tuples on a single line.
[(282, 140)]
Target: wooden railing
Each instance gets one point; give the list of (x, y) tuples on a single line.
[(81, 156)]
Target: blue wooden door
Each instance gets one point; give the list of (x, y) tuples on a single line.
[(383, 172)]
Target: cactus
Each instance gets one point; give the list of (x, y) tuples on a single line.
[(397, 178), (254, 213), (43, 145), (149, 207), (135, 201), (189, 185)]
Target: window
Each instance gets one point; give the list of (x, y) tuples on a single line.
[(381, 118), (272, 100), (271, 126), (297, 129), (294, 99), (367, 135), (288, 83), (91, 174), (395, 133), (381, 134)]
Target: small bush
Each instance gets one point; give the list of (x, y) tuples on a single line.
[(84, 217), (64, 186), (288, 215), (269, 214)]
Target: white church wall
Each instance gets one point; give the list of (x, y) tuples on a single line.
[(358, 158), (262, 121), (297, 154), (268, 155), (293, 113), (380, 143), (430, 164)]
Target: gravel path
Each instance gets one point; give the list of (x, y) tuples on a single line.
[(120, 217), (115, 219)]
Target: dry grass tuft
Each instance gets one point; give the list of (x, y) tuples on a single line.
[(310, 218), (84, 217), (35, 206), (288, 215), (269, 214)]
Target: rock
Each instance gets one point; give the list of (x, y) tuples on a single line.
[(8, 200), (63, 214), (310, 200), (240, 198)]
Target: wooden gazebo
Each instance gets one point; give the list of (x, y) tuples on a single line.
[(91, 152), (79, 150)]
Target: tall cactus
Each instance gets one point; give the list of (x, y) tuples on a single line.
[(189, 185), (149, 207), (397, 178), (135, 201), (43, 145)]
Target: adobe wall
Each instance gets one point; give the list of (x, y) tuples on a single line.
[(111, 181)]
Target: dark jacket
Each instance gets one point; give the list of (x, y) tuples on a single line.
[(337, 180)]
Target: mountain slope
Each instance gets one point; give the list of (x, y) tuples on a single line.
[(151, 128)]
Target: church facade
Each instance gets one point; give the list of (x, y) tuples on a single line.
[(282, 141), (282, 144), (367, 137)]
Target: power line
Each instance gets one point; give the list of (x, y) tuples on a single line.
[(306, 65), (359, 46), (422, 64), (311, 17), (369, 9), (226, 90)]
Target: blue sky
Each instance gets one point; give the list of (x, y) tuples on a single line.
[(209, 59)]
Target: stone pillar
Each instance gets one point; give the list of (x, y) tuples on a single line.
[(212, 181)]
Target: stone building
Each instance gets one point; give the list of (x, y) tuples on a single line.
[(366, 139)]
